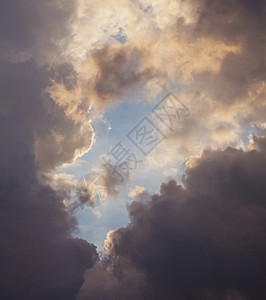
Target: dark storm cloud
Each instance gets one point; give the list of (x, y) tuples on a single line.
[(101, 284), (30, 29), (233, 22), (204, 241), (56, 136), (31, 32), (259, 143), (39, 257)]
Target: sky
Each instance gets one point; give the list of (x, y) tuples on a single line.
[(133, 149)]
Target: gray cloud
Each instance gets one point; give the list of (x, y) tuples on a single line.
[(203, 241), (231, 22), (57, 137), (39, 257), (115, 73), (101, 284), (33, 30)]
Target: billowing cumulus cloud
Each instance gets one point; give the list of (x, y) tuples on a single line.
[(110, 74), (59, 60), (205, 240), (40, 259), (242, 76), (58, 138), (212, 52), (219, 63)]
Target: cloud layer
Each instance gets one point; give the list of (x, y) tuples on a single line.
[(60, 59), (40, 258), (203, 241)]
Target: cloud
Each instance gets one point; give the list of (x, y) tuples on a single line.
[(101, 284), (58, 137), (203, 241), (138, 191), (111, 73), (26, 33), (40, 258), (212, 52), (60, 58), (206, 46), (240, 74)]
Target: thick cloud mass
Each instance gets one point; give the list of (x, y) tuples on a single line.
[(232, 21), (57, 137), (34, 29), (204, 241), (39, 257)]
